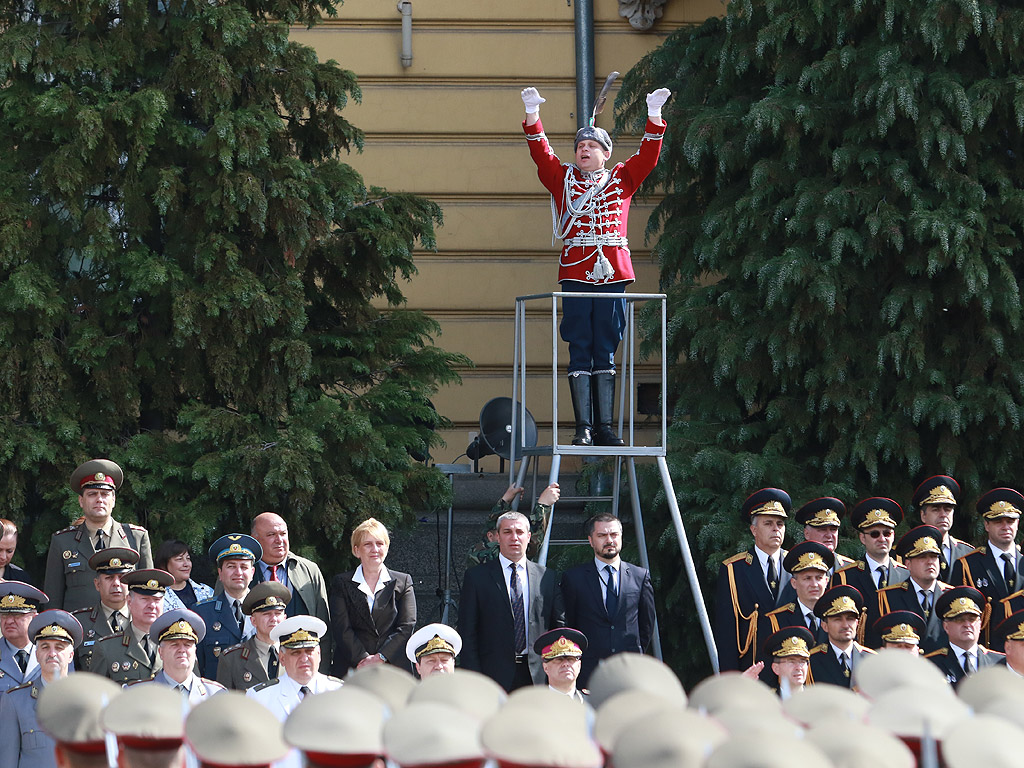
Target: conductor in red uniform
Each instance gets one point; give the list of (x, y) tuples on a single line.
[(589, 210)]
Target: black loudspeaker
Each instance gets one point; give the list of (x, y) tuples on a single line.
[(496, 430)]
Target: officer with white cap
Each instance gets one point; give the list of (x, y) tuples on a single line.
[(177, 633), (432, 649), (299, 639)]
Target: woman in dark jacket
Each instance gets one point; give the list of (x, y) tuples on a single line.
[(373, 609)]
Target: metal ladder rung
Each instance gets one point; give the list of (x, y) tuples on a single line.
[(566, 543), (585, 498)]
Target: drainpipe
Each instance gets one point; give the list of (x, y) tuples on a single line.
[(584, 26), (405, 7)]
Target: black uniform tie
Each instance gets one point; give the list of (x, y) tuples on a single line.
[(22, 658), (238, 617), (1008, 571), (773, 577), (272, 664), (883, 579), (611, 595)]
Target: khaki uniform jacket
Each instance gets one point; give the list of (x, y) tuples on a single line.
[(123, 659), (240, 667), (68, 581), (94, 626)]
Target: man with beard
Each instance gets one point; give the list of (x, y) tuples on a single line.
[(561, 650), (961, 610), (177, 633), (110, 615), (840, 610), (22, 744), (607, 599)]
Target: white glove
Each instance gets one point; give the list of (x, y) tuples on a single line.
[(656, 100), (532, 100)]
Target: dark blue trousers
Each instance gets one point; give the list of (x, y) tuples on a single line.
[(592, 327)]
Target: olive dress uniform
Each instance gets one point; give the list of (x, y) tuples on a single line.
[(239, 667), (123, 659), (96, 625)]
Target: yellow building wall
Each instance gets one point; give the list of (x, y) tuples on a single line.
[(448, 128)]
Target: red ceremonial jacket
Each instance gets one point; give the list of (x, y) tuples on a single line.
[(603, 221)]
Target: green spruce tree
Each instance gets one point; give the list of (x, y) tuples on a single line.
[(193, 283), (840, 239)]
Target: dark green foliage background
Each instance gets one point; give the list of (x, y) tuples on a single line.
[(191, 279), (840, 241)]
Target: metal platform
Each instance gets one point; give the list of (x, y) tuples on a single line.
[(524, 455)]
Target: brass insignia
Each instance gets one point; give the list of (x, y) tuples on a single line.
[(114, 667), (216, 625), (234, 536), (35, 692), (115, 562), (67, 554), (99, 476), (216, 650), (152, 584), (247, 676), (846, 672), (135, 665), (235, 548), (271, 600)]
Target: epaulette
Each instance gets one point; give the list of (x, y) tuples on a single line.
[(267, 684), (943, 586), (212, 683), (843, 559), (974, 551), (937, 652), (136, 682), (818, 648), (858, 564), (231, 648), (80, 610), (736, 558), (109, 637), (206, 600), (334, 679), (902, 585), (782, 609), (865, 649), (135, 527), (69, 529), (29, 684)]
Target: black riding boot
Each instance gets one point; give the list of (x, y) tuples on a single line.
[(579, 388), (604, 409)]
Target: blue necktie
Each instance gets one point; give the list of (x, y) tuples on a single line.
[(611, 595)]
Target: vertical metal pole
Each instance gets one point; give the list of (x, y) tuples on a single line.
[(641, 541), (664, 375), (584, 26), (554, 374), (691, 571), (556, 461), (515, 388), (616, 485)]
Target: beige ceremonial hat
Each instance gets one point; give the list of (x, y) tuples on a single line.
[(429, 733), (232, 729), (473, 693), (914, 711), (619, 713), (673, 738), (756, 751), (147, 717), (543, 728), (346, 721), (856, 745), (983, 740), (819, 703), (990, 684), (69, 710), (634, 671), (385, 681), (742, 721), (731, 689), (894, 668)]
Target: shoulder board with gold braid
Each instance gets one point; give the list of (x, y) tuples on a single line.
[(335, 679), (29, 684), (939, 652), (943, 586), (858, 564), (902, 585), (780, 609), (736, 558), (974, 551), (818, 648), (864, 648)]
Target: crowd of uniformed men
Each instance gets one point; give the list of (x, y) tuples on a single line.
[(240, 677)]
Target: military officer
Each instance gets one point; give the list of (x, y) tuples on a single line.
[(994, 568), (177, 633), (256, 660), (751, 583), (69, 712), (902, 630), (432, 650), (22, 743), (875, 520), (808, 564), (920, 551), (131, 656), (235, 555), (110, 615), (69, 579), (299, 640), (961, 609), (936, 503), (841, 610), (19, 604), (561, 651), (821, 519), (789, 650)]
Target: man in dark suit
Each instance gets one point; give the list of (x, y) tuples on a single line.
[(69, 579), (936, 503), (920, 550), (751, 583), (608, 600), (505, 605), (961, 609), (301, 575), (994, 568)]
